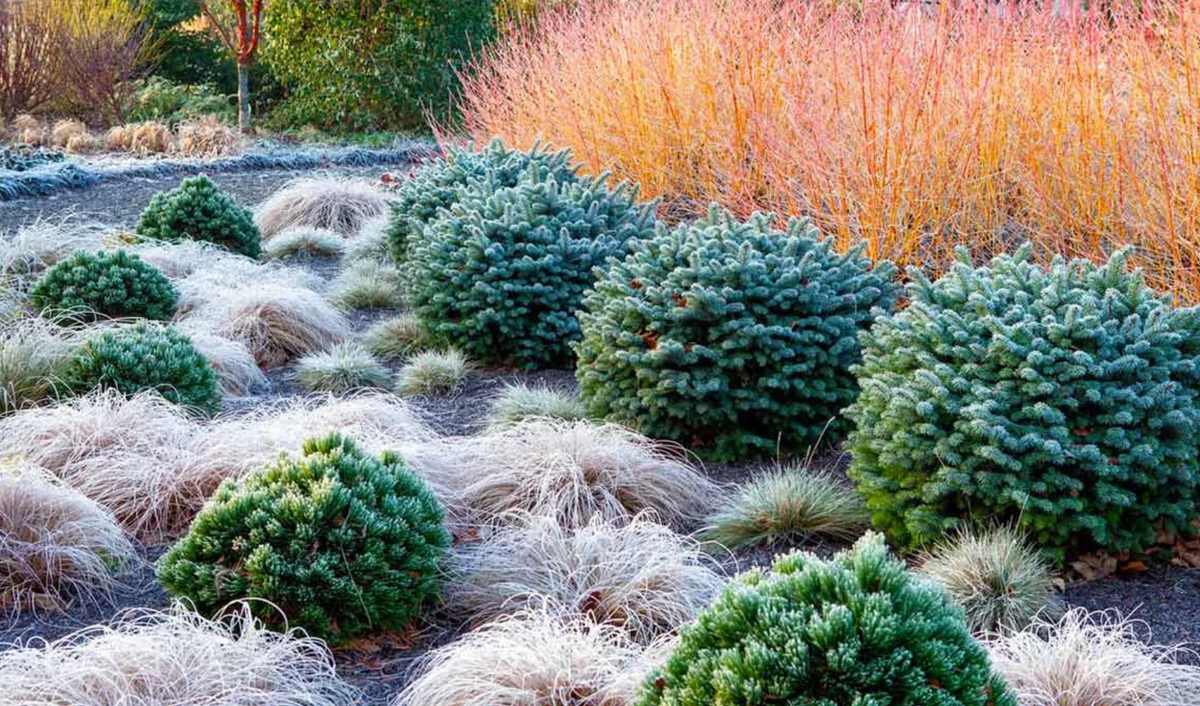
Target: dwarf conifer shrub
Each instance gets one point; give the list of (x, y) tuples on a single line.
[(501, 274), (145, 356), (437, 184), (198, 210), (729, 336), (1060, 399), (342, 542), (104, 285), (851, 631)]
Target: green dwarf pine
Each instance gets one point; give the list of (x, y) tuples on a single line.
[(436, 184), (729, 336), (1062, 399), (856, 630), (501, 274), (197, 209), (342, 542), (145, 356), (102, 285)]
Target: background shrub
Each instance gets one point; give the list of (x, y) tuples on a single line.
[(105, 285), (857, 629), (342, 542), (145, 356), (437, 184), (198, 210), (729, 336), (372, 65), (501, 274), (1063, 399)]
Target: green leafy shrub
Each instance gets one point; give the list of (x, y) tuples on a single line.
[(729, 336), (198, 210), (100, 284), (341, 541), (370, 66), (1063, 400), (145, 356), (158, 98), (501, 274), (856, 630), (437, 184)]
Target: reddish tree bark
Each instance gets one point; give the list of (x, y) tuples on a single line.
[(242, 41)]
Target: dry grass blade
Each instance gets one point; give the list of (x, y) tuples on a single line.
[(208, 136), (639, 576), (787, 506), (33, 356), (340, 205), (576, 471), (304, 243), (533, 658), (1089, 659), (153, 467), (237, 371), (275, 322), (176, 658), (39, 245), (56, 546)]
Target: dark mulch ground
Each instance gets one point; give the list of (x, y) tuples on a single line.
[(120, 203), (1167, 599)]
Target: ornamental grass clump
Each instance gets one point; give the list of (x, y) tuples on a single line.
[(144, 356), (344, 367), (501, 274), (1001, 581), (729, 336), (853, 630), (342, 542), (437, 184), (1060, 399), (88, 286), (198, 210)]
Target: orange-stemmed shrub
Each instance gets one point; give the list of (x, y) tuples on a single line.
[(915, 129)]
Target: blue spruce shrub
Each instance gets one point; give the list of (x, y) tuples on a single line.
[(198, 210), (342, 542), (102, 285), (145, 356), (729, 336), (501, 274), (856, 630), (436, 184), (1061, 399)]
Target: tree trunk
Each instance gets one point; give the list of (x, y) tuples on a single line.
[(244, 97)]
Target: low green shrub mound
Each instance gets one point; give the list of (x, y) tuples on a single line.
[(342, 542), (437, 184), (856, 630), (1062, 399), (145, 356), (101, 285), (197, 209), (501, 274), (729, 336)]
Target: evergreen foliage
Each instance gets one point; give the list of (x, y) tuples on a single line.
[(729, 336), (103, 285), (197, 209), (341, 541), (501, 274), (145, 356), (436, 184), (856, 630), (1060, 399)]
